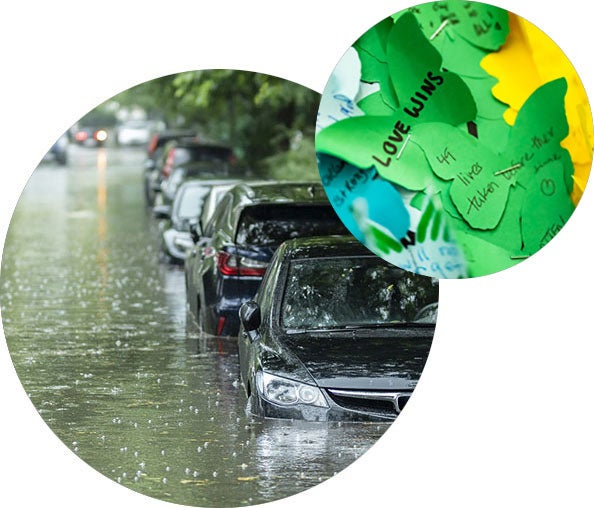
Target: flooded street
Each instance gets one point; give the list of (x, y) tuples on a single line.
[(100, 338)]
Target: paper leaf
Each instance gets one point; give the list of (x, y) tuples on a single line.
[(411, 170), (459, 55), (483, 25), (425, 91), (375, 105), (487, 105), (478, 194), (484, 257), (535, 138), (374, 40), (528, 60), (546, 208), (355, 193)]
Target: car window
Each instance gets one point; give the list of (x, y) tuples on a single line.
[(190, 201), (272, 224), (215, 221), (334, 292)]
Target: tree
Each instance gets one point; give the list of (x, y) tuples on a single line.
[(262, 117)]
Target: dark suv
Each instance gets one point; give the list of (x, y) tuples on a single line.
[(226, 266)]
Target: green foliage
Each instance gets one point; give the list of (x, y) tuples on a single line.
[(298, 163), (258, 115)]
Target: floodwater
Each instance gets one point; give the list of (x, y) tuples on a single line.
[(99, 335)]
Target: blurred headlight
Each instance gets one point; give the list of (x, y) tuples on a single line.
[(101, 135), (287, 392)]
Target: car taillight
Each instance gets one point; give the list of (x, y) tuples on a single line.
[(228, 264), (168, 166), (81, 135), (153, 144), (220, 325)]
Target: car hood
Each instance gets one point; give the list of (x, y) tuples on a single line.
[(381, 360)]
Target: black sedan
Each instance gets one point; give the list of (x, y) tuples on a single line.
[(335, 333)]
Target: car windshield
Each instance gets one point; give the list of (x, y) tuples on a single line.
[(355, 291), (190, 201), (270, 225)]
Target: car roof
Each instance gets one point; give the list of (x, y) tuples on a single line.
[(207, 183), (194, 142), (278, 192), (323, 246)]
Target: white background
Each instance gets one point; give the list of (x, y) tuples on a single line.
[(503, 415)]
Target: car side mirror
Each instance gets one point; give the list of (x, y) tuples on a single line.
[(250, 317), (195, 231), (162, 212)]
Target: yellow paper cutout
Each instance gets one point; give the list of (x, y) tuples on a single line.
[(529, 59)]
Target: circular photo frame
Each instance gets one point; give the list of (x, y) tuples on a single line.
[(454, 139)]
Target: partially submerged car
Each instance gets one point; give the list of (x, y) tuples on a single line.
[(155, 150), (335, 333), (226, 266), (185, 211), (183, 151), (194, 171)]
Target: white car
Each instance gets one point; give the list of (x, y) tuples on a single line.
[(134, 132)]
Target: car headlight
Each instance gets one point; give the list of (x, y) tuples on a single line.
[(287, 392)]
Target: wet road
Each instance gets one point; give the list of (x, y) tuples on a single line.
[(99, 335)]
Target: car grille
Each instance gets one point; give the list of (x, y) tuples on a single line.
[(375, 402)]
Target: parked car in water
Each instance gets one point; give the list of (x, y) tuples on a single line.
[(184, 151), (335, 333), (134, 132), (185, 209), (194, 171), (226, 266), (155, 148)]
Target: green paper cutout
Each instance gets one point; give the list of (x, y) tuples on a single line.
[(375, 105), (477, 193), (375, 71), (375, 39), (535, 138), (425, 91), (508, 233), (484, 257), (483, 25), (418, 200), (493, 133), (487, 105), (411, 170), (357, 139), (546, 208), (459, 55)]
